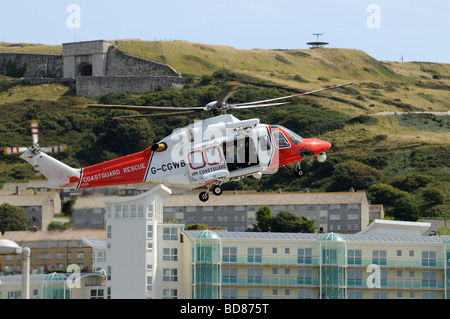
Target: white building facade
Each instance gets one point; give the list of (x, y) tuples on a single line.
[(142, 253)]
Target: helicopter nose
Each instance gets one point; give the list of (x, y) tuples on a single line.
[(318, 146)]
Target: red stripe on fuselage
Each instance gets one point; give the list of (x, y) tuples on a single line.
[(124, 170)]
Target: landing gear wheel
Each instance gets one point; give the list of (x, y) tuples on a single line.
[(217, 190), (203, 196), (298, 170)]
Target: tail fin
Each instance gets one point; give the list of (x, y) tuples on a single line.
[(58, 174)]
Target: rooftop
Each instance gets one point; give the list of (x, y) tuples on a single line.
[(268, 199), (258, 236), (22, 236)]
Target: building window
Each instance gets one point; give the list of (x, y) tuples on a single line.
[(191, 209), (352, 206), (429, 279), (335, 216), (97, 294), (170, 294), (101, 256), (149, 283), (229, 254), (310, 207), (254, 293), (352, 216), (150, 212), (354, 294), (170, 233), (304, 294), (149, 231), (140, 211), (379, 295), (354, 278), (428, 259), (429, 295), (304, 276), (254, 255), (229, 275), (170, 254), (335, 206), (170, 274), (354, 257), (229, 293), (304, 256), (379, 257)]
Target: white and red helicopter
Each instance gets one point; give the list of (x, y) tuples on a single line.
[(206, 154)]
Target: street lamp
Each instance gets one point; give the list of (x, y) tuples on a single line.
[(8, 247)]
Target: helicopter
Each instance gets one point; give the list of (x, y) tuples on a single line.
[(204, 154)]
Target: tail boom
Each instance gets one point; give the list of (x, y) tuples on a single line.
[(124, 170)]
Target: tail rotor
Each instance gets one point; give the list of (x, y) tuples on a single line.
[(35, 149)]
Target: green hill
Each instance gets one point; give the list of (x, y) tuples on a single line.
[(409, 152)]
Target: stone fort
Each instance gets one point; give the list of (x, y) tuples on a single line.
[(94, 68)]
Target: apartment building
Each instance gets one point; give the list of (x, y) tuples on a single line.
[(332, 212), (319, 266), (146, 258), (51, 251), (41, 207)]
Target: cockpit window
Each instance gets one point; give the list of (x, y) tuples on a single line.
[(280, 140), (294, 137)]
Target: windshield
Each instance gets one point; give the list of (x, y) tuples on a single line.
[(294, 137)]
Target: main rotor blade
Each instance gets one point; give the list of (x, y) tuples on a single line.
[(140, 108), (55, 148), (258, 105), (223, 97), (15, 150), (294, 95), (154, 115)]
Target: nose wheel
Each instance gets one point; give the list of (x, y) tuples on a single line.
[(203, 196), (216, 190)]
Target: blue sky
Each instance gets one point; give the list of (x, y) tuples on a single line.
[(385, 29)]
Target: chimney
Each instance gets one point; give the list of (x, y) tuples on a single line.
[(17, 191)]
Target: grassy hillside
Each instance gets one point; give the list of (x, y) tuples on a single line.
[(409, 152)]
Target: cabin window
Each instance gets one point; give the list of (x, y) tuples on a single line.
[(196, 159), (280, 140), (213, 155)]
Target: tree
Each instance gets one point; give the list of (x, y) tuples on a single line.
[(288, 222), (433, 196), (195, 227), (405, 210), (354, 174), (385, 194), (13, 218), (263, 219)]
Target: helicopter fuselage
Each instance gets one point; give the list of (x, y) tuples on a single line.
[(209, 152)]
